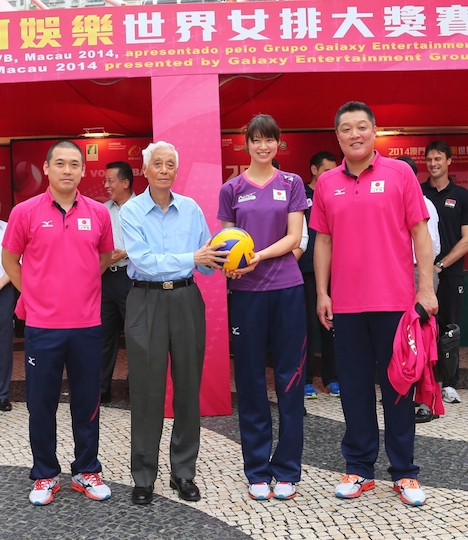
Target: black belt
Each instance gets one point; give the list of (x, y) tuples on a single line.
[(166, 285), (115, 268)]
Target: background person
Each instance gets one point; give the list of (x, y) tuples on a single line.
[(451, 202), (319, 163), (359, 208), (65, 241), (7, 306), (115, 281), (423, 414), (167, 238), (267, 308)]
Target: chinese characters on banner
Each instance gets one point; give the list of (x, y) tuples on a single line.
[(135, 41)]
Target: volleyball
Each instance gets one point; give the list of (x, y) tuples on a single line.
[(240, 245)]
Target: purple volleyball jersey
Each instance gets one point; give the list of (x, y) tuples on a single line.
[(263, 212)]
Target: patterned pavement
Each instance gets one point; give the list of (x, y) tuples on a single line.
[(225, 511)]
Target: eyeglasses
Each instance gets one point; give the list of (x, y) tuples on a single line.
[(110, 182)]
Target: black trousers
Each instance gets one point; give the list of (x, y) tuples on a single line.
[(450, 296), (328, 372), (115, 287), (162, 323), (7, 305)]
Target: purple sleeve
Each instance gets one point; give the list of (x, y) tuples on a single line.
[(298, 197), (225, 208)]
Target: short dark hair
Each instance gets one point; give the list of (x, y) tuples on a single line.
[(317, 159), (124, 171), (264, 125), (64, 144), (410, 162), (440, 146), (353, 106)]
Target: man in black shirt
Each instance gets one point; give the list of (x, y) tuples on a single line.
[(319, 163), (451, 202)]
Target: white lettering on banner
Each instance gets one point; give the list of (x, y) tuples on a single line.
[(302, 22), (259, 17), (33, 57), (22, 69), (310, 35), (404, 20), (296, 24), (203, 19), (235, 60), (140, 29), (352, 18), (453, 20), (98, 172)]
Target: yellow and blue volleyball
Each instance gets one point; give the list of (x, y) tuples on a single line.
[(240, 245)]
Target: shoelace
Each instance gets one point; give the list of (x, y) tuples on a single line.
[(93, 479), (43, 483), (350, 479), (409, 483)]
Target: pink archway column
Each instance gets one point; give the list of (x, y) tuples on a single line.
[(186, 113)]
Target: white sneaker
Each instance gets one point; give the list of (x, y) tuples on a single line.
[(260, 491), (43, 491), (91, 485), (353, 485), (410, 491), (284, 490), (450, 395)]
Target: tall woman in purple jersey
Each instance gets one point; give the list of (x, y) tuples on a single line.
[(267, 312)]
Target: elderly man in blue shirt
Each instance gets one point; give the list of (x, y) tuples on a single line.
[(166, 238)]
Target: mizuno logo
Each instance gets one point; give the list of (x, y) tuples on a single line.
[(32, 361), (47, 224), (340, 191), (235, 331)]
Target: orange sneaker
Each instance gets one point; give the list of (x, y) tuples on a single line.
[(353, 485), (410, 491)]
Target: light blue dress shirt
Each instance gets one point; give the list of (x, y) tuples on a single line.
[(114, 211), (161, 245)]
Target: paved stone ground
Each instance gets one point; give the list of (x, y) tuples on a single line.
[(225, 511)]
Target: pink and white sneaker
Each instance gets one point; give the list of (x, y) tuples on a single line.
[(91, 485), (43, 491)]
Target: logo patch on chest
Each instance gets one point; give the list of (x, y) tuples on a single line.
[(377, 186), (279, 195), (450, 203), (247, 197), (84, 224)]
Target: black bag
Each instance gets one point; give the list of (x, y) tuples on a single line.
[(448, 345)]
